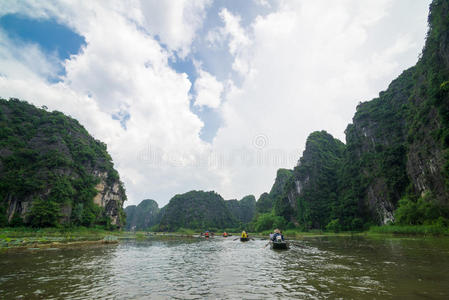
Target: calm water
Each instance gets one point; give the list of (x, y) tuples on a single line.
[(316, 268)]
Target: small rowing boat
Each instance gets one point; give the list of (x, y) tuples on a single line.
[(279, 245), (244, 239)]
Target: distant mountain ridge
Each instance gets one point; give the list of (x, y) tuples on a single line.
[(193, 210), (142, 216), (394, 166)]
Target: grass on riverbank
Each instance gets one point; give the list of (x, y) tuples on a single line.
[(22, 237), (424, 230), (410, 230), (55, 232)]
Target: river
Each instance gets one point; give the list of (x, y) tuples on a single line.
[(313, 268)]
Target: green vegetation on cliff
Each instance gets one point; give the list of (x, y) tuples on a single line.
[(49, 169), (266, 217), (317, 177), (242, 210), (142, 216), (197, 210), (394, 167)]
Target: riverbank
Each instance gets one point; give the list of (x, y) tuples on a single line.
[(31, 238), (44, 238), (24, 237)]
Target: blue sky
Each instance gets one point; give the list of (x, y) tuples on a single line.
[(53, 37), (206, 95), (47, 33)]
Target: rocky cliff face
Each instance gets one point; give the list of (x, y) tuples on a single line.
[(311, 192), (376, 146), (428, 138), (401, 138), (396, 148), (266, 201), (47, 161), (244, 209), (142, 216)]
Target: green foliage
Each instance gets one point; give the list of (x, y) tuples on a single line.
[(142, 216), (404, 131), (436, 229), (357, 224), (268, 221), (196, 210), (44, 213), (424, 211), (3, 218), (264, 204), (317, 173), (333, 226), (16, 221), (50, 155), (243, 210), (77, 214)]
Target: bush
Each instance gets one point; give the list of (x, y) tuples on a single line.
[(268, 221), (357, 224), (16, 221), (3, 218), (44, 213), (424, 211), (333, 226)]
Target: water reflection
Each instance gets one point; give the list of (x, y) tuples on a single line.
[(313, 268)]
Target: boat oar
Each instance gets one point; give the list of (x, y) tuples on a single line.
[(236, 239), (266, 245)]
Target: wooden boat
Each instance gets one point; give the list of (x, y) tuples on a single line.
[(244, 239), (279, 245)]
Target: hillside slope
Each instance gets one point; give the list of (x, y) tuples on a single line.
[(395, 164), (142, 216), (197, 210), (52, 171)]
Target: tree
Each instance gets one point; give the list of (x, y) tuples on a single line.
[(44, 213)]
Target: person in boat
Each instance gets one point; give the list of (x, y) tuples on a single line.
[(277, 233), (206, 234), (244, 234), (225, 234)]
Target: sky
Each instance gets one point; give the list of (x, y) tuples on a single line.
[(202, 94)]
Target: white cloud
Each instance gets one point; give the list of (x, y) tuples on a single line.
[(309, 64), (208, 90), (302, 67), (122, 69), (238, 40), (176, 22), (24, 60)]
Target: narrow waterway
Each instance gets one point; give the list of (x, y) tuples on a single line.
[(314, 268)]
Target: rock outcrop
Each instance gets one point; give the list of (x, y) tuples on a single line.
[(142, 216), (50, 158), (397, 147)]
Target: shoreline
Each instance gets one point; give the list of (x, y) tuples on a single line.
[(34, 239)]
